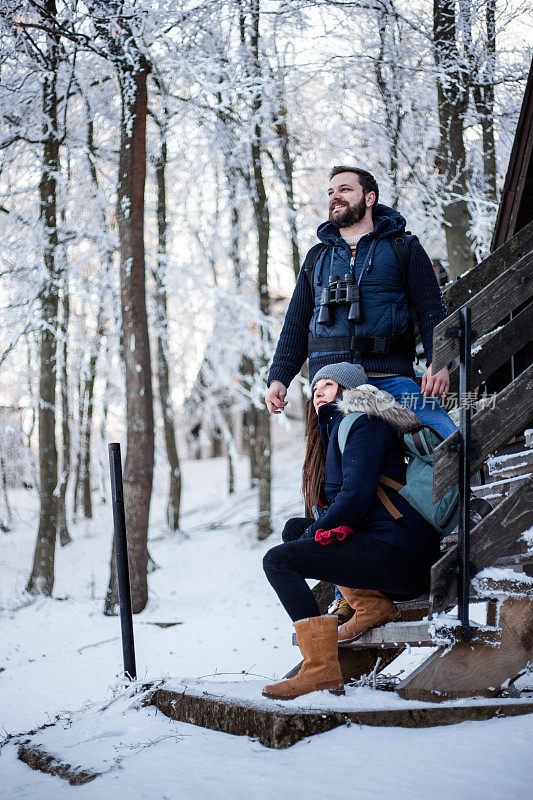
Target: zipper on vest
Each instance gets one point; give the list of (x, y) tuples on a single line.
[(331, 261), (370, 260)]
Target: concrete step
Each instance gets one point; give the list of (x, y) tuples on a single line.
[(240, 710)]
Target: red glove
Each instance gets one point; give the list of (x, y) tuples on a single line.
[(334, 535)]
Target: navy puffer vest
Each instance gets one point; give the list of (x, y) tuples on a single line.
[(385, 310)]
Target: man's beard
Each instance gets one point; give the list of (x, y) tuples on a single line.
[(348, 215)]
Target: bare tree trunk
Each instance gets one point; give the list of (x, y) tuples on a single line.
[(235, 225), (84, 473), (79, 446), (160, 276), (250, 426), (64, 536), (41, 580), (262, 221), (452, 94), (484, 100), (282, 131), (82, 483), (7, 520), (231, 472), (31, 392), (85, 479), (390, 91), (102, 449), (138, 473)]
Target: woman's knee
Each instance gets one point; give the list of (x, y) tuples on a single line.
[(274, 559), (294, 528)]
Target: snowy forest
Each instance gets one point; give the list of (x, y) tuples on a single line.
[(163, 170)]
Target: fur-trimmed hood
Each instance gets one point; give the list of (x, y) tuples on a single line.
[(377, 403)]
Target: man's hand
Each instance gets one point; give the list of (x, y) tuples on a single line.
[(275, 397), (435, 385)]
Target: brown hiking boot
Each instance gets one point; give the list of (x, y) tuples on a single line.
[(317, 640), (371, 608), (342, 610)]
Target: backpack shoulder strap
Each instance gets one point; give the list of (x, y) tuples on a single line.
[(401, 246), (311, 260), (345, 428), (402, 250)]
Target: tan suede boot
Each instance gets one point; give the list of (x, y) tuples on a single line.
[(317, 640), (371, 608)]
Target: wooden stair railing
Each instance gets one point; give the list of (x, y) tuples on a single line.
[(491, 291), (461, 291), (497, 535), (498, 348), (490, 428), (489, 307), (509, 271)]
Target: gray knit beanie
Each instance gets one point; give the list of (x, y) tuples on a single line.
[(349, 376)]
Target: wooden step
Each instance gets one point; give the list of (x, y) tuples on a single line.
[(422, 634), (497, 490), (497, 583), (522, 562), (469, 669), (420, 631), (510, 465)]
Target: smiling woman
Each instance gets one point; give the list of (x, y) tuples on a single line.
[(325, 391), (374, 555)]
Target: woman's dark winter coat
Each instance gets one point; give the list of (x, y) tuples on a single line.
[(351, 478)]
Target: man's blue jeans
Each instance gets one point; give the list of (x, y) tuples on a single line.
[(427, 409)]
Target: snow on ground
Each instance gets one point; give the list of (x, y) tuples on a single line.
[(144, 755), (59, 655)]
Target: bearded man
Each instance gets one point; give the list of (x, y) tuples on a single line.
[(359, 294)]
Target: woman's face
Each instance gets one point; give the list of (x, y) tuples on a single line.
[(325, 391)]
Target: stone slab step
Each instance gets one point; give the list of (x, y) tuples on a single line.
[(279, 725)]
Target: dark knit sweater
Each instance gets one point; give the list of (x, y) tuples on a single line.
[(425, 300)]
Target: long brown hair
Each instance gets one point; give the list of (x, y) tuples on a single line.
[(313, 470)]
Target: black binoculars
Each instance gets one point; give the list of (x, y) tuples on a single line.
[(340, 291)]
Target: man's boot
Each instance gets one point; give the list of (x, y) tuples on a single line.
[(371, 608), (341, 610), (317, 640)]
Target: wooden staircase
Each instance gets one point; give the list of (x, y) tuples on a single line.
[(502, 648)]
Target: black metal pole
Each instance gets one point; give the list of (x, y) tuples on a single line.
[(121, 556), (465, 415)]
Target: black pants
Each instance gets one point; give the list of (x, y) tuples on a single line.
[(360, 561)]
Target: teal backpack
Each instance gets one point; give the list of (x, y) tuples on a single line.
[(418, 446)]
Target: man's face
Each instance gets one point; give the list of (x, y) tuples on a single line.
[(347, 203)]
